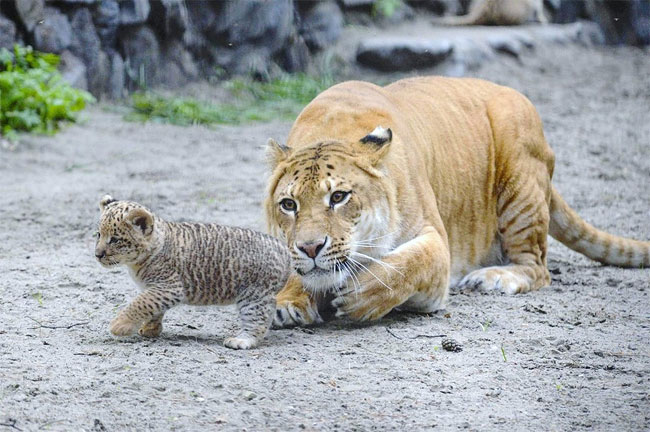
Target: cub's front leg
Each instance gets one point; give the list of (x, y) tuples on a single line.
[(148, 308), (415, 274)]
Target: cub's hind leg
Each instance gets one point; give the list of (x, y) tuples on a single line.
[(523, 219), (255, 313)]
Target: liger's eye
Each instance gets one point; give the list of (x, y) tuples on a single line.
[(338, 197), (288, 205)]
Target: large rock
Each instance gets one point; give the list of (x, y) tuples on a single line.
[(116, 80), (402, 53), (54, 33), (7, 32), (440, 7), (622, 22), (171, 17), (73, 70), (106, 16), (87, 46), (322, 25), (141, 54), (178, 66), (134, 11), (247, 34), (31, 12), (259, 22), (295, 56)]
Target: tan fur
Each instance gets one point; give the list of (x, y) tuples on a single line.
[(498, 12), (460, 195), (198, 264)]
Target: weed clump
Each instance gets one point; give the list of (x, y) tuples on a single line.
[(33, 95)]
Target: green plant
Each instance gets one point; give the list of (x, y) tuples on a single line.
[(385, 8), (33, 95), (281, 98)]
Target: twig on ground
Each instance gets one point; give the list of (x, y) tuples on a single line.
[(416, 336), (41, 325), (393, 334), (429, 336), (11, 423)]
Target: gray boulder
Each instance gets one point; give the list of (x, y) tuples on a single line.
[(73, 70), (7, 32), (87, 46), (115, 87), (142, 56), (322, 25), (295, 56), (31, 12), (106, 17), (134, 11), (54, 33), (178, 67), (402, 53), (259, 22)]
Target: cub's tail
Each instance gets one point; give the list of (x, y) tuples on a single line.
[(570, 229)]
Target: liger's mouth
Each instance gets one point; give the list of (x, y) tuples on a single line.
[(339, 265)]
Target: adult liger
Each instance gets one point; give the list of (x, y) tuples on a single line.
[(387, 196)]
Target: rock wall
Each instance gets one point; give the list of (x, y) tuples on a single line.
[(111, 47)]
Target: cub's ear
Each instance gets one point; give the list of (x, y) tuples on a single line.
[(106, 200), (141, 219), (378, 142), (276, 152)]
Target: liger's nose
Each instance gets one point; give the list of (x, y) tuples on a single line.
[(100, 254), (312, 248)]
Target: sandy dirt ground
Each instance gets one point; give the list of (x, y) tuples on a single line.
[(573, 356)]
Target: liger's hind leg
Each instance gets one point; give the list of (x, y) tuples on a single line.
[(523, 228)]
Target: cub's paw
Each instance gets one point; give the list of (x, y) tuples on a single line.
[(495, 279), (289, 314), (241, 341), (122, 326), (151, 329)]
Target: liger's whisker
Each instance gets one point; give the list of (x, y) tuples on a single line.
[(369, 271), (384, 264)]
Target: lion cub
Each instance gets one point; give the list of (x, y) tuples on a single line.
[(191, 263)]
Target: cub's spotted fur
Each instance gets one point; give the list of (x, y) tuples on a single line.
[(191, 263)]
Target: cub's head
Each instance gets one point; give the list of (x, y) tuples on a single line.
[(125, 232), (334, 206)]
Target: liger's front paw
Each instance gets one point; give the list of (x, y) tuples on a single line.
[(122, 326), (289, 314), (368, 302), (241, 341), (151, 329)]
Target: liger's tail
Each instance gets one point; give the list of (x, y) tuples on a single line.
[(570, 229)]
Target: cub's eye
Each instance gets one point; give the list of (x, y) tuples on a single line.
[(96, 235), (288, 204), (113, 240), (338, 197)]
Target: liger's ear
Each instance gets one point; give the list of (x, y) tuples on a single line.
[(378, 143), (275, 152), (106, 200), (141, 219)]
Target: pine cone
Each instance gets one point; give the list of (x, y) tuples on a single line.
[(451, 345)]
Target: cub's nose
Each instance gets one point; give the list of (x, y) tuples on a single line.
[(312, 248), (100, 254)]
